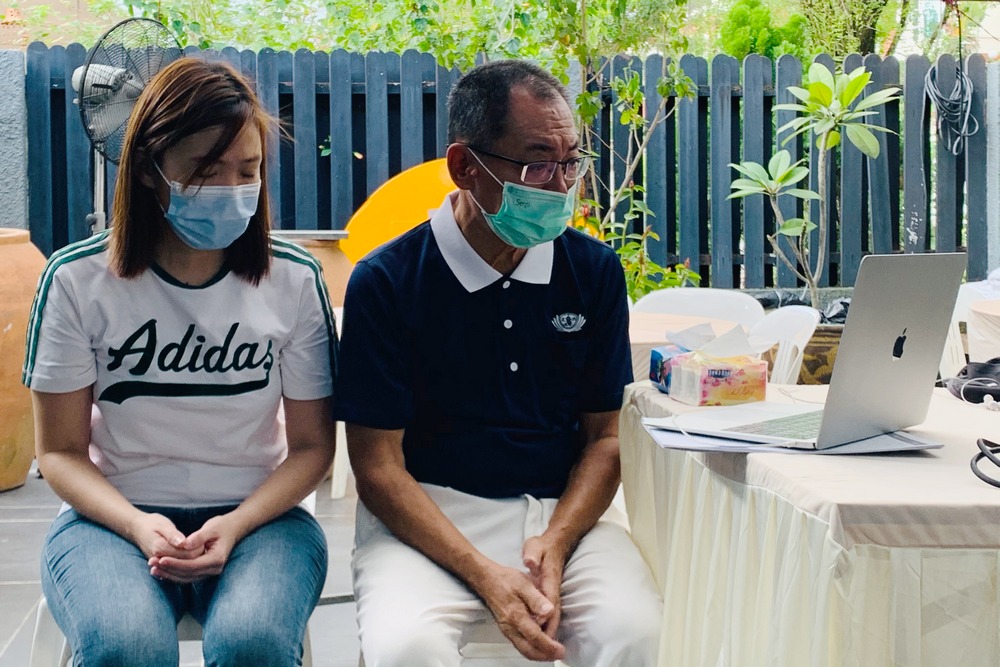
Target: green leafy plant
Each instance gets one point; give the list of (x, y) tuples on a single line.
[(749, 27), (589, 31), (829, 109), (642, 274)]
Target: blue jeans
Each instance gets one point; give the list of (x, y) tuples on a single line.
[(113, 612)]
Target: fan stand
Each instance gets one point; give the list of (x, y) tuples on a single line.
[(98, 220)]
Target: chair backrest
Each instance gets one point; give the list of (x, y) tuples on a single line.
[(721, 304), (790, 327), (953, 357)]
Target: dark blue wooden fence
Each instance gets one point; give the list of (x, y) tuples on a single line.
[(383, 112)]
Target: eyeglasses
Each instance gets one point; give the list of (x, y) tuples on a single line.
[(540, 173)]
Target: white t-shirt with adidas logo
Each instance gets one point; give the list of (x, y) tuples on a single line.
[(187, 381)]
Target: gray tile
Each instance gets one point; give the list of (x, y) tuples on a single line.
[(21, 546), (34, 493), (17, 622), (334, 635)]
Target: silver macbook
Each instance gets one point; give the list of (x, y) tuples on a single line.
[(885, 368)]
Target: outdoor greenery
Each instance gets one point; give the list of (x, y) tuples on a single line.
[(750, 27), (550, 31), (830, 108), (578, 37)]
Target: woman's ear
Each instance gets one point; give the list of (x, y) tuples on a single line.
[(462, 167), (146, 170)]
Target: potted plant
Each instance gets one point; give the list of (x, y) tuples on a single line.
[(830, 110)]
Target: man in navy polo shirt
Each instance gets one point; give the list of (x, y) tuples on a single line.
[(483, 360)]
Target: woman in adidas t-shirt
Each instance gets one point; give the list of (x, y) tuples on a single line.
[(159, 357)]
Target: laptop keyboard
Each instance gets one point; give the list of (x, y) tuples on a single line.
[(803, 426)]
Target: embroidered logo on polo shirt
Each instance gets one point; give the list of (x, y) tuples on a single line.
[(568, 322)]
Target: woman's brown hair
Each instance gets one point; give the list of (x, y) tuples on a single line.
[(186, 97)]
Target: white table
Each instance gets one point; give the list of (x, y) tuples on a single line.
[(649, 330), (812, 560), (983, 328)]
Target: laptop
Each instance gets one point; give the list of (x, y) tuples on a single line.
[(885, 369)]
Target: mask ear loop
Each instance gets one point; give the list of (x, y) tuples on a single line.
[(987, 450), (493, 176)]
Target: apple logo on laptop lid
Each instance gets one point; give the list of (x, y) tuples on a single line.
[(897, 348)]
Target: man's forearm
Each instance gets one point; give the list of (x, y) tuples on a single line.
[(592, 485), (399, 502)]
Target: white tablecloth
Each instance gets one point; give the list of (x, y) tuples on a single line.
[(983, 328), (810, 560)]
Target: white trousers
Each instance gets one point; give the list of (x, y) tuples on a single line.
[(412, 613)]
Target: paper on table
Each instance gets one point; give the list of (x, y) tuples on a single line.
[(670, 438)]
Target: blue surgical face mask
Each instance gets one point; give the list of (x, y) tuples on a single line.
[(529, 216), (210, 217)]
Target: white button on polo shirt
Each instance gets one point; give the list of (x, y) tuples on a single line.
[(507, 324)]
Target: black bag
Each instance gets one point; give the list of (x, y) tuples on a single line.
[(976, 381)]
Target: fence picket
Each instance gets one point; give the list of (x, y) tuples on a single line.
[(916, 156), (659, 181), (789, 73), (880, 181), (975, 174), (38, 100), (949, 173), (341, 157), (446, 79), (376, 121), (411, 111), (723, 115), (692, 161), (756, 147), (267, 91), (853, 208), (305, 145)]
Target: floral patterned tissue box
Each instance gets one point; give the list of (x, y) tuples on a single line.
[(699, 380)]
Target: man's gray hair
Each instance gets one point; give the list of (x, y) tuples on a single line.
[(478, 104)]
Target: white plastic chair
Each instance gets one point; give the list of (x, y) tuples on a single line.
[(953, 358), (483, 645), (721, 304), (49, 647), (790, 327)]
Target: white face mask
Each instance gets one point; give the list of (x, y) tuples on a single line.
[(210, 217)]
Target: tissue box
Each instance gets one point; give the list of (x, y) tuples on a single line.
[(659, 365), (699, 380)]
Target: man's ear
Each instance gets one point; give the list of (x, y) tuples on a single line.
[(462, 167)]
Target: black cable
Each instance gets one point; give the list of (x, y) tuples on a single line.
[(987, 450), (955, 122)]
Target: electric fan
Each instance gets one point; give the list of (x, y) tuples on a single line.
[(116, 71)]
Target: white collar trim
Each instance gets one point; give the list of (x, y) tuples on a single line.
[(472, 270)]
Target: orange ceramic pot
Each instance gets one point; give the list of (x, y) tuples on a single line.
[(20, 265)]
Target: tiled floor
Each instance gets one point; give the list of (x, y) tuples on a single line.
[(25, 514)]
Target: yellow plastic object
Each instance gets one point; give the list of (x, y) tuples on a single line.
[(397, 206)]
